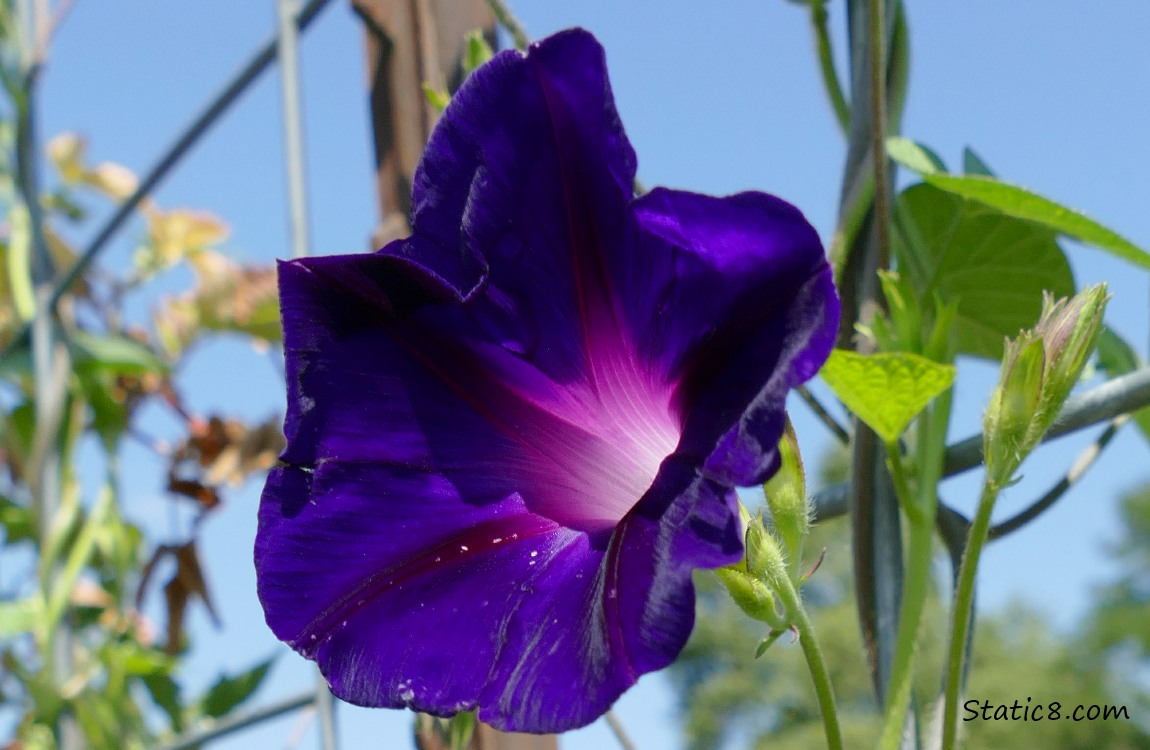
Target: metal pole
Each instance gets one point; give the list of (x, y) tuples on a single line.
[(301, 247), (240, 721), (293, 128), (50, 368)]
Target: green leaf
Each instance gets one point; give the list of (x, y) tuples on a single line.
[(1116, 357), (117, 546), (767, 642), (139, 661), (19, 262), (114, 353), (436, 98), (166, 694), (19, 616), (37, 737), (887, 390), (44, 699), (1021, 203), (229, 692), (76, 558), (914, 156), (991, 266), (972, 163), (109, 413), (477, 52), (17, 521), (97, 716), (63, 527)]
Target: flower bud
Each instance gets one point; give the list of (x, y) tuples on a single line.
[(1069, 329), (1039, 370), (787, 496), (751, 594), (1013, 406), (765, 560)]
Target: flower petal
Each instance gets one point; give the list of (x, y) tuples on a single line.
[(507, 612), (501, 465), (414, 476), (736, 304), (424, 388), (527, 176)]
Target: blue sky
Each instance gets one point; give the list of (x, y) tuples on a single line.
[(716, 97)]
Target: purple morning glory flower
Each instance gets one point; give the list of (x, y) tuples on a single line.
[(513, 435)]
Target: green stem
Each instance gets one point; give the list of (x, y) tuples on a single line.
[(921, 512), (898, 68), (916, 585), (915, 588), (831, 83), (59, 589), (878, 130), (901, 486), (963, 605), (508, 21), (239, 720), (820, 676), (851, 217), (20, 262)]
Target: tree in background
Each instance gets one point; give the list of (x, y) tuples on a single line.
[(1119, 624)]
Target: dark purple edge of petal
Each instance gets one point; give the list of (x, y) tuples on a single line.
[(725, 464)]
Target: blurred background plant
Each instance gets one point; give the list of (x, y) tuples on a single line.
[(82, 666), (91, 568)]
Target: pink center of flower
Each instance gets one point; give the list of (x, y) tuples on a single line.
[(622, 427)]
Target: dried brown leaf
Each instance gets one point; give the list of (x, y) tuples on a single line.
[(189, 571), (206, 496), (187, 582), (176, 597)]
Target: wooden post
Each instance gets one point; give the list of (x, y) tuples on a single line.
[(429, 735), (410, 42)]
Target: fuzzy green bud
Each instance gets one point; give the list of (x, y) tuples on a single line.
[(1069, 330), (764, 557), (1013, 407), (751, 594), (787, 496), (1039, 370)]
